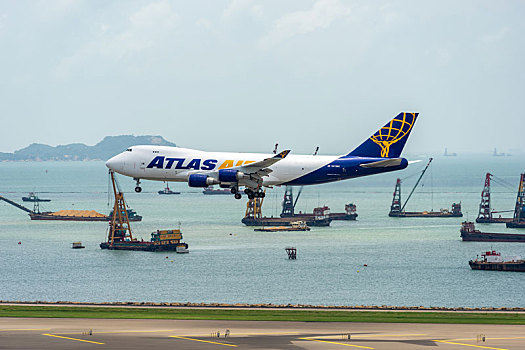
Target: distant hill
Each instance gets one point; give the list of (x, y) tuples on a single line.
[(105, 149)]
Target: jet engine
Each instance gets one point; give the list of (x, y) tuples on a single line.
[(201, 180), (231, 175)]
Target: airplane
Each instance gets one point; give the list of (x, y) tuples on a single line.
[(379, 153)]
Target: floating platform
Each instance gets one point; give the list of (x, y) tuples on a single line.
[(492, 260), (470, 234)]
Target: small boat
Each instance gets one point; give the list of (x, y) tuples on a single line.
[(210, 190), (32, 197), (492, 260), (294, 226), (77, 245), (167, 190)]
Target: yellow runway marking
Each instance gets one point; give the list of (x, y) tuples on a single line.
[(476, 346), (333, 342), (203, 341), (116, 332), (487, 338), (386, 335), (82, 340), (25, 329)]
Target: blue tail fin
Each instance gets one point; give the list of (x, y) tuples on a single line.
[(388, 142)]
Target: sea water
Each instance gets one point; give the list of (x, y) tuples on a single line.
[(410, 261)]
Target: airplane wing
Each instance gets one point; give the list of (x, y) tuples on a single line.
[(261, 168)]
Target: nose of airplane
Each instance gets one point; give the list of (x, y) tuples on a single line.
[(115, 163)]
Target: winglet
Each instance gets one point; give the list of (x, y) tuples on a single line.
[(281, 155)]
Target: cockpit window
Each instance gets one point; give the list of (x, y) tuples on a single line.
[(128, 150)]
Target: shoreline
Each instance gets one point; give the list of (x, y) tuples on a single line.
[(241, 306)]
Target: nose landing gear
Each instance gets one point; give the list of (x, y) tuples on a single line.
[(138, 189)]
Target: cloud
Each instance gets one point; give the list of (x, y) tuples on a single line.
[(321, 15), (238, 8), (495, 37), (144, 29)]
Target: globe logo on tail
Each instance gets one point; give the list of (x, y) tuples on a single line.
[(394, 131)]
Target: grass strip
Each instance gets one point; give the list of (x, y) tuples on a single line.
[(262, 315)]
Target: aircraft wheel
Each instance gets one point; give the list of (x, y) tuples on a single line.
[(262, 194), (138, 189), (247, 191), (233, 190), (238, 196), (251, 195)]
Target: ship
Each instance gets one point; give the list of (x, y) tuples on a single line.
[(492, 260), (398, 210), (470, 234), (32, 197), (120, 236), (167, 190), (211, 190), (518, 220), (294, 226), (485, 213), (288, 209), (253, 217)]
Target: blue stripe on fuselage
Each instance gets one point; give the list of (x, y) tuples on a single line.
[(343, 168)]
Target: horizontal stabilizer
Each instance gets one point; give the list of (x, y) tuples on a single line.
[(383, 163)]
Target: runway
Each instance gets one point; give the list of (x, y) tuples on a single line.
[(55, 333)]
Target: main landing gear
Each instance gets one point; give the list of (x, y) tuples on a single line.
[(249, 192), (138, 189), (254, 194)]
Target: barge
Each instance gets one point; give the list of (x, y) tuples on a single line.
[(398, 210), (470, 234), (253, 217), (294, 226), (289, 204), (492, 260), (120, 236), (210, 190), (69, 215)]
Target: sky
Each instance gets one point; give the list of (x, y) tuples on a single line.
[(242, 75)]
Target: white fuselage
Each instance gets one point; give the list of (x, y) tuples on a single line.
[(177, 164)]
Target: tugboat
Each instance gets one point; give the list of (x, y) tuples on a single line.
[(492, 260), (32, 197), (167, 190)]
